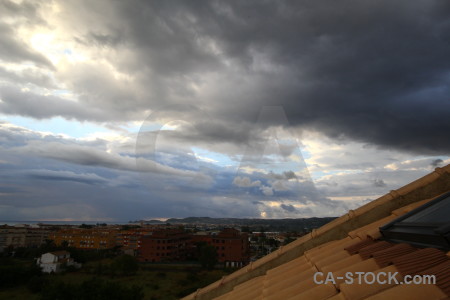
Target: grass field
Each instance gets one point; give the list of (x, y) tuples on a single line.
[(157, 281)]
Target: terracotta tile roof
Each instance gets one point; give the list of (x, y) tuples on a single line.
[(367, 252), (385, 257), (351, 243), (442, 272), (419, 260)]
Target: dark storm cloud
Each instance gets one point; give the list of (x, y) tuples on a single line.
[(376, 72), (373, 72)]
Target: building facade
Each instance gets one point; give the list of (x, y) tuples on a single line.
[(232, 246), (95, 238), (164, 245), (54, 262), (14, 237)]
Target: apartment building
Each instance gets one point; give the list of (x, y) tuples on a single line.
[(231, 245), (164, 245), (15, 237), (95, 238)]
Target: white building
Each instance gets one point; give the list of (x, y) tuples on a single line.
[(54, 261)]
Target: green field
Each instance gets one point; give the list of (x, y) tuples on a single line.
[(157, 281)]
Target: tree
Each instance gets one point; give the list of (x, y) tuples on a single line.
[(86, 226), (91, 289), (126, 265), (245, 229), (208, 256)]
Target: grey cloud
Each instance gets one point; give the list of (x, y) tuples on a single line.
[(284, 176), (365, 71), (27, 76), (28, 10), (436, 162), (279, 185), (245, 182), (345, 69), (379, 183), (88, 156), (368, 71), (11, 47), (66, 176), (17, 51), (25, 103), (266, 190), (288, 207)]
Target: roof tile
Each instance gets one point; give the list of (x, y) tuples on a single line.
[(361, 251), (386, 256), (291, 290), (362, 232), (367, 252), (411, 292), (358, 291), (283, 282), (368, 265), (419, 260), (353, 249), (329, 250), (339, 296), (405, 209), (324, 261), (442, 273), (293, 264), (319, 292), (342, 264)]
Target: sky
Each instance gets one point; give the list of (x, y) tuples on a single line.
[(129, 110)]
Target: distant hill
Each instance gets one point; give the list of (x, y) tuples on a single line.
[(267, 224)]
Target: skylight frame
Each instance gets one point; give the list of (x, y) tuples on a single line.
[(420, 234)]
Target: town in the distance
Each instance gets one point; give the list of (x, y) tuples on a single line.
[(148, 259), (232, 242)]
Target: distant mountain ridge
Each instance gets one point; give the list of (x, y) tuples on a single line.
[(286, 224)]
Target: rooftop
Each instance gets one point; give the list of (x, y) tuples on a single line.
[(351, 243)]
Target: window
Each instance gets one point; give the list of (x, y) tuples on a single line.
[(425, 226)]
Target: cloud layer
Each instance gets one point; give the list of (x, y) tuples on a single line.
[(273, 108)]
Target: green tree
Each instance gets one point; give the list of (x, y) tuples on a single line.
[(86, 226), (245, 229), (208, 256), (65, 244)]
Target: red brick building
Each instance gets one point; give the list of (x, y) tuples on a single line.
[(231, 245), (164, 245)]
